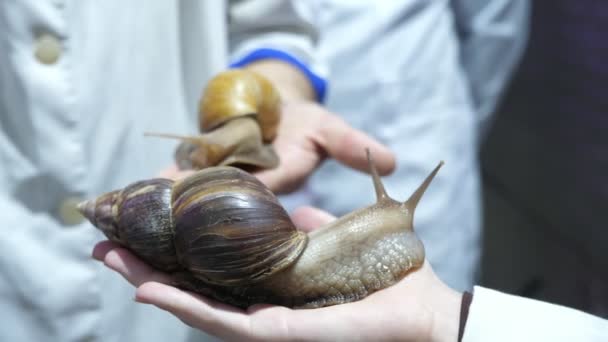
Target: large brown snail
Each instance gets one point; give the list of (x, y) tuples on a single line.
[(239, 114), (222, 233)]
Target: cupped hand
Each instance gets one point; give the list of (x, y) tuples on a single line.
[(308, 134), (419, 307)]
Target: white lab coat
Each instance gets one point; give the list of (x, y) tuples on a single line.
[(73, 128), (495, 316), (423, 77)]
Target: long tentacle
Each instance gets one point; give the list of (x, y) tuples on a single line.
[(412, 202), (378, 186)]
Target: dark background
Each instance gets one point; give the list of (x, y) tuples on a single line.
[(545, 163)]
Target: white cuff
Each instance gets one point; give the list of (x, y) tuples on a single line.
[(496, 316)]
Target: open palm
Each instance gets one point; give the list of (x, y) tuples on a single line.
[(413, 309), (308, 134)]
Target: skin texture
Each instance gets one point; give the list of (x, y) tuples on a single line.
[(420, 307), (356, 255)]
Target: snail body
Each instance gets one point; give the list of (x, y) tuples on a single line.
[(239, 114), (222, 233)]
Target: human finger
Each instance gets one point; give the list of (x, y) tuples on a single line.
[(224, 321), (308, 218), (347, 145), (132, 268), (102, 248)]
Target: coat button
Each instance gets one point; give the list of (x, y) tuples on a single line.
[(68, 213), (48, 49)]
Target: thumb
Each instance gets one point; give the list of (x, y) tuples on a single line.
[(309, 218), (347, 145)]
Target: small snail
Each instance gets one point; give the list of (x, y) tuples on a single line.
[(222, 233), (239, 115)]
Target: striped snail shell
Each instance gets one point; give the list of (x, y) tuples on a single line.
[(222, 233), (220, 224)]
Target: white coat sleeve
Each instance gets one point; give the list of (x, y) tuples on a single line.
[(284, 25), (496, 316), (493, 35)]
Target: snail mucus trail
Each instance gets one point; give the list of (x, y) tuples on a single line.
[(222, 233), (239, 115)]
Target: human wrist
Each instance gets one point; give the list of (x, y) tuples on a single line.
[(446, 315), (307, 80)]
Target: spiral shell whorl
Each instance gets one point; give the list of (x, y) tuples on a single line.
[(237, 93), (139, 218), (230, 229), (220, 224), (102, 214), (146, 221)]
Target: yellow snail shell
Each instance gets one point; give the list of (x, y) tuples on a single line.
[(239, 115)]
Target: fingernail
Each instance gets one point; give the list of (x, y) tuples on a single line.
[(96, 256)]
